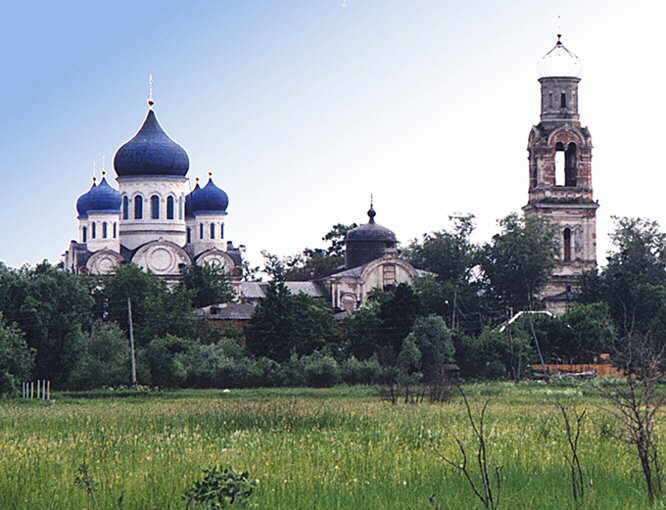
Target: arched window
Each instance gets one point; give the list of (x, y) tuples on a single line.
[(115, 229), (180, 208), (189, 235), (570, 177), (563, 100), (84, 235), (170, 208), (201, 228), (155, 207), (559, 164), (567, 244), (125, 208), (138, 207), (105, 230), (94, 230), (212, 230), (221, 230)]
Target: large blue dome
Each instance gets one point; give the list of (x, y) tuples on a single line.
[(84, 201), (209, 199), (103, 199), (151, 152)]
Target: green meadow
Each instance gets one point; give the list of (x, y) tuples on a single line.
[(331, 448)]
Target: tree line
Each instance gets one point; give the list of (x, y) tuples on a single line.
[(73, 329)]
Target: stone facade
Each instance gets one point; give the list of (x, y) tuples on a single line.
[(560, 185)]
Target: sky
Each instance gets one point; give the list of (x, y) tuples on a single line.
[(303, 108)]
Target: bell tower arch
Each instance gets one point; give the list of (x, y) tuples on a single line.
[(560, 175)]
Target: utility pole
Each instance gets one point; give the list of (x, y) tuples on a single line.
[(131, 338)]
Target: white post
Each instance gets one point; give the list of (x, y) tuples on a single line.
[(32, 389), (48, 390), (39, 387)]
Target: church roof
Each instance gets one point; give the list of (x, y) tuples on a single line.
[(103, 198), (559, 62), (151, 152), (371, 231), (83, 202), (209, 199)]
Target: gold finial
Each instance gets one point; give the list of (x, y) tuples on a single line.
[(94, 180), (210, 174), (103, 173), (150, 91), (94, 168), (196, 180)]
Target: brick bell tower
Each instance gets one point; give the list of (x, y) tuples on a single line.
[(560, 175)]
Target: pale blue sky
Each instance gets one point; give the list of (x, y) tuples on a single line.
[(303, 108)]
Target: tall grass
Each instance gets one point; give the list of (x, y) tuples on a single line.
[(337, 448)]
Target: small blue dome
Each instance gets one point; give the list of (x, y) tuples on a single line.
[(151, 152), (188, 199), (103, 199), (84, 201), (209, 199)]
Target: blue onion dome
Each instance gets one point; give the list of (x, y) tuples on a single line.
[(209, 199), (188, 200), (371, 231), (103, 199), (84, 201), (151, 152)]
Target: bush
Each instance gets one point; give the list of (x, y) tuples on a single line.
[(354, 371), (103, 360), (321, 370), (16, 358), (167, 358), (221, 488)]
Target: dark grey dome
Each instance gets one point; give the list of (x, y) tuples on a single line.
[(368, 242)]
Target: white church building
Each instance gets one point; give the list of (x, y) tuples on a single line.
[(154, 219)]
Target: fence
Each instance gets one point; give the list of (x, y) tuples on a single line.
[(40, 389), (600, 369)]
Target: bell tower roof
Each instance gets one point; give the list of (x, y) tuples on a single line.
[(559, 62)]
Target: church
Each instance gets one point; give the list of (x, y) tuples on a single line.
[(158, 222)]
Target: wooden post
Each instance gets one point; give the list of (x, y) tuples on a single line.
[(131, 338)]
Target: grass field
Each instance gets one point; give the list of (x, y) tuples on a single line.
[(310, 449)]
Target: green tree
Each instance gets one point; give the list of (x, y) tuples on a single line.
[(208, 284), (104, 358), (434, 340), (398, 309), (16, 358), (284, 323), (48, 305), (633, 283), (165, 358), (518, 262)]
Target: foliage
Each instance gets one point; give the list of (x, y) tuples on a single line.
[(221, 488), (16, 358), (434, 341), (321, 370), (165, 359), (519, 260), (355, 371), (633, 283), (284, 323), (208, 284), (103, 358), (48, 305), (398, 309)]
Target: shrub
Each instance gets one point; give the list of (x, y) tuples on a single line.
[(167, 360), (221, 488), (16, 358), (321, 370), (354, 371), (104, 358)]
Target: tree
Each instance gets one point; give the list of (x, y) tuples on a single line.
[(450, 254), (398, 309), (434, 340), (16, 358), (518, 262), (208, 284), (164, 357), (336, 237), (284, 323), (103, 359), (633, 283), (48, 305)]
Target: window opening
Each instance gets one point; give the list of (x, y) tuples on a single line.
[(85, 234), (570, 176), (212, 230), (138, 207), (567, 244), (105, 230), (94, 230), (170, 207), (155, 207), (201, 227), (559, 164), (189, 235), (563, 100), (125, 208), (115, 229)]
